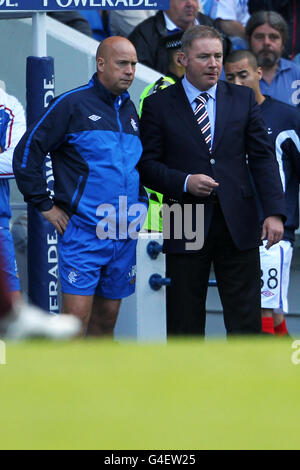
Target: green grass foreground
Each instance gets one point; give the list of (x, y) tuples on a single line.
[(188, 394)]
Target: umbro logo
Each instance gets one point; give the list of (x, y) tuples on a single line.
[(93, 117), (267, 293)]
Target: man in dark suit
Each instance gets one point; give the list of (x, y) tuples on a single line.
[(205, 143)]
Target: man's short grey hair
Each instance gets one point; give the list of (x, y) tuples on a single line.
[(272, 18), (199, 32)]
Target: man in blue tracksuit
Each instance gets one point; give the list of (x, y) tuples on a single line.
[(93, 138)]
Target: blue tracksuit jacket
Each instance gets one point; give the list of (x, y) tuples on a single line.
[(93, 140)]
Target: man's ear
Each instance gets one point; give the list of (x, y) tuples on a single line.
[(260, 72), (176, 58), (182, 58), (100, 64)]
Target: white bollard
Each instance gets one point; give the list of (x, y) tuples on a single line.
[(142, 316)]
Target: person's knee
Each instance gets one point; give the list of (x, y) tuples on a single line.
[(109, 312), (106, 311), (80, 306)]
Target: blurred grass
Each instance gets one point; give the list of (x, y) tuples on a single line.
[(188, 394)]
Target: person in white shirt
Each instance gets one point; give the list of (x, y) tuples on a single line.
[(12, 127), (231, 17)]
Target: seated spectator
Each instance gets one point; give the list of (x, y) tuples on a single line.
[(231, 17), (73, 19), (290, 11), (181, 15), (267, 33), (99, 21), (123, 22)]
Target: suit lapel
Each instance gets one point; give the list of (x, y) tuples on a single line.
[(183, 109), (223, 107)]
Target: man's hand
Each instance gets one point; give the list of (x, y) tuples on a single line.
[(58, 218), (201, 185), (272, 230)]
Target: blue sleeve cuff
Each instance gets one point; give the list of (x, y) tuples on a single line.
[(185, 184)]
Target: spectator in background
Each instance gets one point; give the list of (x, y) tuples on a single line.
[(73, 19), (290, 11), (123, 22), (267, 34), (283, 124), (231, 17), (182, 15)]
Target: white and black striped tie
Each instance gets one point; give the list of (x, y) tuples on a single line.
[(202, 117)]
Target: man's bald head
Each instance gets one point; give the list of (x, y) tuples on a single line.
[(116, 60), (112, 42)]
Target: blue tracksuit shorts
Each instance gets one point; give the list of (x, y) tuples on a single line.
[(88, 265)]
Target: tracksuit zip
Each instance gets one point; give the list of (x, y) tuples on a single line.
[(117, 106)]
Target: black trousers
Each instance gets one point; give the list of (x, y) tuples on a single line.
[(238, 279)]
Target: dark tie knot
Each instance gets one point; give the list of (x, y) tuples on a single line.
[(202, 98)]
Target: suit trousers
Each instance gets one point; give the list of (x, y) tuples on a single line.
[(238, 279)]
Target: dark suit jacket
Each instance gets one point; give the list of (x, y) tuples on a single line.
[(174, 147)]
